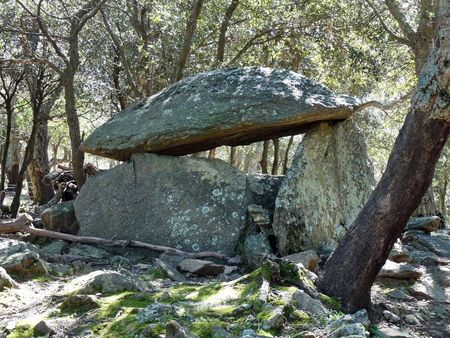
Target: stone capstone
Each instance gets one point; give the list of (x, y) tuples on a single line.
[(193, 204), (200, 267), (330, 180), (425, 223), (221, 107)]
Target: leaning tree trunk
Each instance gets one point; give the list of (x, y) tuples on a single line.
[(276, 156), (265, 157), (6, 145), (350, 272)]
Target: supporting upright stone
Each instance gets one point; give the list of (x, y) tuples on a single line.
[(330, 180)]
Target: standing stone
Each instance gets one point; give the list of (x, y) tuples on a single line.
[(330, 180), (193, 204)]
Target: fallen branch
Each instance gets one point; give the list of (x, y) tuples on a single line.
[(24, 224)]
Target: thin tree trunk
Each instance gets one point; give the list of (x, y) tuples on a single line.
[(74, 128), (188, 38), (276, 156), (26, 161), (286, 154), (7, 142), (264, 157), (223, 30), (233, 153), (212, 153), (351, 270)]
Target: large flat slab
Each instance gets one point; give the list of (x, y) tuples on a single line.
[(222, 107)]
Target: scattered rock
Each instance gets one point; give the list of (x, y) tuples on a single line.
[(428, 289), (175, 330), (61, 218), (204, 209), (201, 267), (308, 304), (157, 311), (309, 259), (221, 107), (170, 270), (42, 329), (399, 271), (427, 223), (353, 330), (391, 317), (400, 295), (399, 254), (330, 180), (55, 248), (85, 250), (79, 303), (21, 260), (437, 242), (273, 318), (411, 319), (360, 317), (103, 282), (6, 281), (59, 269), (390, 332), (255, 249)]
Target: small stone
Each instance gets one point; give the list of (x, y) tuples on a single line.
[(55, 248), (400, 295), (175, 330), (42, 329), (307, 334), (388, 332), (255, 249), (308, 304), (103, 282), (393, 318), (22, 260), (360, 316), (79, 303), (399, 254), (85, 250), (309, 259), (170, 270), (6, 281), (427, 223), (399, 271), (411, 319), (355, 329), (229, 269), (275, 318), (201, 267), (61, 218)]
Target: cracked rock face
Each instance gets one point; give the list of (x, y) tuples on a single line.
[(193, 204), (330, 180), (222, 107)]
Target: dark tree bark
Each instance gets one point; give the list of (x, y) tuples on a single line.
[(8, 91), (233, 153), (276, 156), (351, 270), (264, 162), (286, 154), (223, 30), (187, 40)]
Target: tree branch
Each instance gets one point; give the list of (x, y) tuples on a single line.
[(397, 13), (24, 224)]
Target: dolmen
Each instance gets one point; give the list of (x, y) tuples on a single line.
[(198, 204)]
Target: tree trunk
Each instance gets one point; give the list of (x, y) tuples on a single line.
[(14, 152), (15, 204), (223, 31), (187, 40), (74, 127), (233, 152), (39, 165), (7, 142), (350, 272), (212, 153), (264, 157), (286, 154), (276, 156)]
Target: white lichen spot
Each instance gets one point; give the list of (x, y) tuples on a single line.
[(214, 241), (205, 210), (235, 214), (179, 247), (195, 247), (217, 192), (187, 241)]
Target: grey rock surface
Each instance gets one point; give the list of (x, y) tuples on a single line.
[(308, 304), (193, 204), (220, 107), (425, 223), (255, 248), (103, 282), (330, 180), (61, 218), (399, 271), (308, 258), (6, 281)]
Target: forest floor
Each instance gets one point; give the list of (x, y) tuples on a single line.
[(76, 290)]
